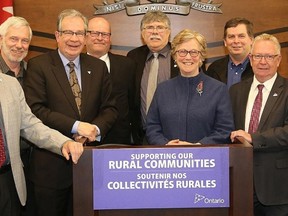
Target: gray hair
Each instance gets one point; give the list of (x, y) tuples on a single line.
[(16, 22), (71, 13), (267, 37), (155, 16)]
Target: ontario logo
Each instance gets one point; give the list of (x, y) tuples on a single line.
[(133, 7), (200, 198)]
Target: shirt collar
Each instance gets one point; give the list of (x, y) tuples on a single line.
[(65, 61), (164, 52), (242, 64), (104, 57), (268, 84), (5, 69)]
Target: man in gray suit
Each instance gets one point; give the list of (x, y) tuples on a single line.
[(15, 38), (269, 136), (17, 119)]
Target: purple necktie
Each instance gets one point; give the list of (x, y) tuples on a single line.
[(2, 149), (255, 114)]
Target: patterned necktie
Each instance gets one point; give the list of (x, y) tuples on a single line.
[(152, 80), (2, 149), (75, 85), (255, 114)]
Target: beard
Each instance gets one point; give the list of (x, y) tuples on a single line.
[(9, 53)]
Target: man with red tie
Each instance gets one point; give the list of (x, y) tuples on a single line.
[(260, 107), (17, 119)]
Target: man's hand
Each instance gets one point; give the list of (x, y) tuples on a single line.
[(180, 142), (240, 133), (87, 130), (74, 149)]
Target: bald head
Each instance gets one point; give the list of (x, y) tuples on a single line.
[(98, 39)]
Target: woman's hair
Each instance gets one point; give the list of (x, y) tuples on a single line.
[(187, 35)]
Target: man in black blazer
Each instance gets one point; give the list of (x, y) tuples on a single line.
[(122, 73), (238, 37), (51, 99), (270, 139), (155, 31)]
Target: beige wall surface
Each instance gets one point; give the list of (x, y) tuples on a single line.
[(268, 16)]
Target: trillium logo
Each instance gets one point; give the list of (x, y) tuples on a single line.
[(208, 201), (198, 198)]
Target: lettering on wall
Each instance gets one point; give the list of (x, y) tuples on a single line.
[(134, 7)]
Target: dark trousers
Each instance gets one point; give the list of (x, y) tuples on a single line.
[(272, 210), (9, 201), (29, 208), (52, 202)]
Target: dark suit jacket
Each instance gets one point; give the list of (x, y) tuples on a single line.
[(122, 73), (270, 142), (139, 55), (49, 95), (219, 70)]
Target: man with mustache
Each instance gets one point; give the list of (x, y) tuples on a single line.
[(155, 30), (238, 37)]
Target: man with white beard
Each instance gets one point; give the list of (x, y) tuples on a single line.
[(15, 38)]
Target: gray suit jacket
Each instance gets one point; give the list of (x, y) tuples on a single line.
[(19, 120), (270, 142)]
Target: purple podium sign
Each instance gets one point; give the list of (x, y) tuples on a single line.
[(161, 178)]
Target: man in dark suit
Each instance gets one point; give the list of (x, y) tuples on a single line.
[(155, 31), (269, 139), (83, 107), (122, 73), (238, 37)]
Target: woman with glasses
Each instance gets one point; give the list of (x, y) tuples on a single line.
[(192, 107)]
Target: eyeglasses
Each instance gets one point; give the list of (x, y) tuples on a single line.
[(159, 29), (104, 35), (68, 33), (184, 52), (259, 57)]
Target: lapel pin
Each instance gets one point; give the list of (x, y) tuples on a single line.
[(89, 72), (275, 95)]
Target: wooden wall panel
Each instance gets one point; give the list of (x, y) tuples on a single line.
[(267, 16)]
